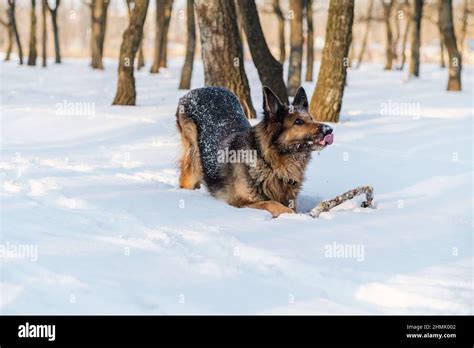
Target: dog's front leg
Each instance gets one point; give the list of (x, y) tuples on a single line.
[(274, 207)]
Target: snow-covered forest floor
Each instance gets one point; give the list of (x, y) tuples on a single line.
[(92, 188)]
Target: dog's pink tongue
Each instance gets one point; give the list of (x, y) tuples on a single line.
[(328, 139)]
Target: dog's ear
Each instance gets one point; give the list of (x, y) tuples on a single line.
[(271, 104), (300, 99)]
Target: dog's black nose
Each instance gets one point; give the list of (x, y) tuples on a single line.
[(325, 129)]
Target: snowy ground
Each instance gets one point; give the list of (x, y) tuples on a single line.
[(96, 196)]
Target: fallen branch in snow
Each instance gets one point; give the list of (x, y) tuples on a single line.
[(329, 204)]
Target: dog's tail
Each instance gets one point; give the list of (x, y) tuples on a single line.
[(190, 162)]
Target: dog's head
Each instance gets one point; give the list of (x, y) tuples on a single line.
[(294, 129)]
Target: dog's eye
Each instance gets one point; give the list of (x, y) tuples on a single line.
[(299, 121)]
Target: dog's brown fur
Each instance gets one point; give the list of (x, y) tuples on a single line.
[(191, 173), (283, 151)]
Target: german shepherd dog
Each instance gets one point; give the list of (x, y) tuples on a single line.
[(275, 151)]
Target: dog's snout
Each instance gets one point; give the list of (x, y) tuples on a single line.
[(325, 129)]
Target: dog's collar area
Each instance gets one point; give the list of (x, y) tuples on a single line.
[(283, 179)]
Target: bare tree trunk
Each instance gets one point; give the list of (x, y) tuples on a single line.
[(350, 58), (241, 30), (462, 39), (397, 35), (98, 24), (327, 99), (270, 71), (54, 22), (10, 43), (387, 10), (11, 15), (416, 38), (405, 38), (296, 45), (441, 46), (449, 38), (309, 40), (281, 30), (44, 31), (366, 34), (187, 71), (164, 45), (32, 52), (8, 27), (221, 49), (159, 28), (126, 93), (141, 58)]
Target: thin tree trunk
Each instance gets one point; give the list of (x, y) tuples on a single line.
[(270, 71), (11, 15), (32, 52), (126, 94), (10, 43), (366, 34), (387, 10), (141, 58), (221, 49), (241, 30), (8, 27), (397, 36), (462, 39), (405, 39), (54, 21), (159, 28), (296, 45), (416, 38), (350, 58), (441, 46), (327, 99), (187, 71), (309, 40), (281, 30), (99, 24), (44, 31), (164, 45), (449, 38), (57, 52)]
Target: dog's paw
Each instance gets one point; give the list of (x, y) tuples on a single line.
[(278, 210)]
